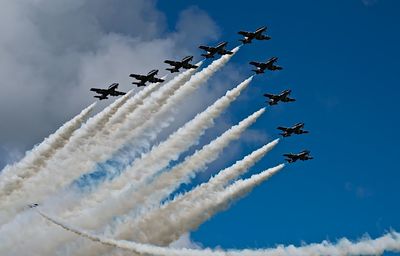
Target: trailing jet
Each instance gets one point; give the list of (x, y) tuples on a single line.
[(262, 66), (303, 156), (211, 51), (283, 96), (184, 63), (150, 77), (110, 91), (258, 35), (33, 205), (295, 129)]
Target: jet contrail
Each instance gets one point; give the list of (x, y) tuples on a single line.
[(12, 176), (219, 181), (161, 186), (189, 215), (79, 160), (216, 183), (386, 243), (155, 191), (167, 89), (152, 162)]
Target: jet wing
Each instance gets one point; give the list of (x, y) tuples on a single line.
[(207, 48), (257, 64), (138, 77), (282, 129), (287, 99), (289, 155), (98, 90), (271, 96), (245, 33), (172, 63)]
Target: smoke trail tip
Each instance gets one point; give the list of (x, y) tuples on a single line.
[(234, 50), (198, 64)]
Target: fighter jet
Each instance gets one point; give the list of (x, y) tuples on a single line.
[(184, 63), (258, 35), (33, 205), (262, 66), (110, 91), (295, 129), (283, 96), (211, 51), (150, 77), (303, 156)]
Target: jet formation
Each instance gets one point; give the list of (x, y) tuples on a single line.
[(211, 52)]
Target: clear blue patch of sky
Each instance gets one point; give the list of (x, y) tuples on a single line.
[(341, 59)]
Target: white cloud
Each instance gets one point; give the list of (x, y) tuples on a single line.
[(53, 51)]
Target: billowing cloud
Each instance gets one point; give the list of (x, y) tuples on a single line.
[(54, 51)]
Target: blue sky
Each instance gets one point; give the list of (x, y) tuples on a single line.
[(340, 58), (341, 61)]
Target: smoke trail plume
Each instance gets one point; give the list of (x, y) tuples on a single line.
[(219, 181), (163, 185), (178, 219), (154, 191), (12, 176), (78, 160), (167, 89), (157, 159), (386, 243)]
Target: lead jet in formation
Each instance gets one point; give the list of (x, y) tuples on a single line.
[(258, 35), (262, 66), (303, 156), (184, 63), (211, 51), (110, 91), (295, 129), (150, 77), (283, 96)]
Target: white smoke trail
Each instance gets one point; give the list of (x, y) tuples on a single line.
[(189, 215), (219, 181), (75, 161), (153, 192), (99, 121), (12, 176), (148, 165), (386, 243), (164, 184), (136, 101), (126, 228)]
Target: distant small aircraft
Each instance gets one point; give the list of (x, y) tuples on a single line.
[(211, 51), (33, 205), (303, 156), (295, 129), (110, 91), (184, 63), (258, 35), (150, 77), (283, 97), (262, 66)]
